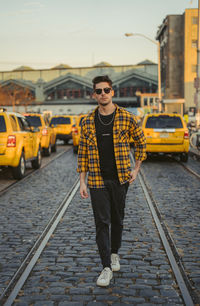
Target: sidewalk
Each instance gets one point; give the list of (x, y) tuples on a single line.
[(67, 271), (194, 152)]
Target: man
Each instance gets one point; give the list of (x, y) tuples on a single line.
[(104, 152)]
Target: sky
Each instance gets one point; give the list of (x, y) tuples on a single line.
[(80, 33)]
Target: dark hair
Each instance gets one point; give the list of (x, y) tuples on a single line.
[(101, 78)]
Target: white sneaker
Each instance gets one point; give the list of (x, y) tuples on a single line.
[(115, 262), (105, 277)]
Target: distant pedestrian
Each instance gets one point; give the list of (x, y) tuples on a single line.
[(104, 152)]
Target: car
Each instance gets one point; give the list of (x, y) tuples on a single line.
[(48, 135), (63, 125), (19, 143), (76, 130), (166, 133)]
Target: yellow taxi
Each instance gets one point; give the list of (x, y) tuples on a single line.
[(48, 135), (76, 130), (19, 143), (63, 126), (167, 134)]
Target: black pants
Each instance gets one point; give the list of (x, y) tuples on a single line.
[(108, 207)]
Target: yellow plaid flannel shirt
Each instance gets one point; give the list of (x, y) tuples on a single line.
[(125, 127)]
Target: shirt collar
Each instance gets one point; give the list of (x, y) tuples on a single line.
[(93, 112)]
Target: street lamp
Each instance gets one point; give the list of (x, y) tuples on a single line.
[(159, 74)]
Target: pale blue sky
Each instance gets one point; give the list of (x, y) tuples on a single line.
[(45, 33)]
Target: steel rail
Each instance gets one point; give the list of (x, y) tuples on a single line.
[(32, 171), (10, 293), (190, 170), (187, 168), (177, 272)]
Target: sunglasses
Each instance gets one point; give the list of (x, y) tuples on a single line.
[(106, 90)]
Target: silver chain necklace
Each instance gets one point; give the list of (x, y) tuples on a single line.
[(99, 116)]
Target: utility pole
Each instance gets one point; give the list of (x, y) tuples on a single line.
[(197, 80), (159, 80)]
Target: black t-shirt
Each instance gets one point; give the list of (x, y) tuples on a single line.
[(104, 132)]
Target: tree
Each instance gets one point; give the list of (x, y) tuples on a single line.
[(14, 94)]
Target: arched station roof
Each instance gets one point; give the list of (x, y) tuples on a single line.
[(137, 74), (18, 82), (66, 78)]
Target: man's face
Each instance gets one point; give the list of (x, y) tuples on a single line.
[(105, 97)]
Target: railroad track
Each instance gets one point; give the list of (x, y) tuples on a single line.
[(180, 274), (186, 167), (22, 274), (7, 184), (190, 170)]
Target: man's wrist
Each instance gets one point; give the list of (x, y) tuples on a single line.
[(82, 177), (137, 165)]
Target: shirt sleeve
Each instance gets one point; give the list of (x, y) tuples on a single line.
[(82, 152), (139, 140)]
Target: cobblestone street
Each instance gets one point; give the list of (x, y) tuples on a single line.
[(99, 141), (27, 208), (178, 198), (67, 270)]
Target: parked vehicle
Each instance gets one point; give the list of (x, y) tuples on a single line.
[(63, 126), (195, 140), (48, 135), (76, 130), (192, 127), (19, 143), (166, 133)]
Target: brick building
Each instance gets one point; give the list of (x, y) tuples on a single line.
[(178, 44)]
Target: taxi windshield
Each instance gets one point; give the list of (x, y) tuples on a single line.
[(60, 120), (34, 121), (163, 122)]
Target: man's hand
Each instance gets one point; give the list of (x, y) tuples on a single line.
[(83, 190), (135, 171), (133, 176), (83, 187)]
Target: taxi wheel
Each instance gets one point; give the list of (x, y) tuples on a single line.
[(19, 171), (54, 148), (36, 163), (47, 151), (184, 157)]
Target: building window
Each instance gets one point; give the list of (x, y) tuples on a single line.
[(151, 101), (145, 101), (194, 43), (194, 20), (123, 92)]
